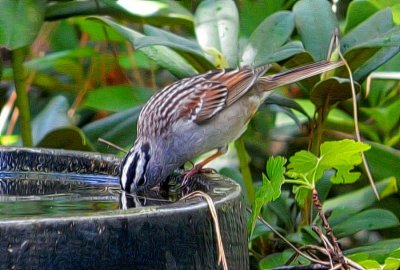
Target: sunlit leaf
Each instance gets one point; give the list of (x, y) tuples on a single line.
[(164, 12), (270, 189), (342, 156), (339, 155), (217, 27)]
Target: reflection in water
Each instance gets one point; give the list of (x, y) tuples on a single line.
[(34, 194)]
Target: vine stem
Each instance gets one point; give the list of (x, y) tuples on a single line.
[(17, 61), (337, 251), (245, 170)]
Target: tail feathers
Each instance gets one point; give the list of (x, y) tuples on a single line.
[(297, 74)]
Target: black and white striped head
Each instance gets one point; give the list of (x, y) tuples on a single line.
[(134, 168)]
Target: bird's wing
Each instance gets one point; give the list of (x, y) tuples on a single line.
[(213, 91)]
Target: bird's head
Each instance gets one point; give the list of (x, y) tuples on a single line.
[(137, 172)]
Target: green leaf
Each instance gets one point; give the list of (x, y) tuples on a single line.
[(339, 155), (378, 251), (386, 117), (371, 219), (285, 102), (261, 50), (52, 117), (71, 138), (116, 98), (217, 28), (380, 57), (303, 162), (188, 49), (9, 140), (358, 200), (357, 12), (276, 259), (163, 56), (97, 31), (156, 36), (20, 22), (118, 128), (373, 27), (343, 156), (332, 90), (270, 189), (383, 160), (315, 23)]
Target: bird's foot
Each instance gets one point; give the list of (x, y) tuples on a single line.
[(188, 175)]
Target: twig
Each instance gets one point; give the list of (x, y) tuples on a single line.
[(101, 140), (355, 116), (337, 251), (211, 206), (287, 241)]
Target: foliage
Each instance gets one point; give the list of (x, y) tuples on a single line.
[(89, 74)]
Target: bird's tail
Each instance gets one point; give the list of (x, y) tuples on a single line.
[(297, 74)]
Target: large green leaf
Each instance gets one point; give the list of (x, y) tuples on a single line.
[(383, 161), (268, 39), (357, 12), (373, 27), (118, 128), (340, 155), (315, 23), (378, 250), (164, 56), (187, 48), (217, 28), (358, 200), (385, 116), (53, 116), (332, 90), (71, 138), (116, 98), (157, 36), (371, 219), (20, 22), (380, 57)]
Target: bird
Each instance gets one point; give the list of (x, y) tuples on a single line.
[(198, 114)]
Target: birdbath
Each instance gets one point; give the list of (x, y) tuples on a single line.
[(64, 210)]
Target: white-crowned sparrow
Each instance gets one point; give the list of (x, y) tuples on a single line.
[(197, 114)]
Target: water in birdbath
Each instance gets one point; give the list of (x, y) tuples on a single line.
[(42, 195)]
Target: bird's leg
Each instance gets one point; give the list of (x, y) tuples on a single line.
[(198, 168)]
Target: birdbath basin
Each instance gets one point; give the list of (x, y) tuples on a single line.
[(64, 210)]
